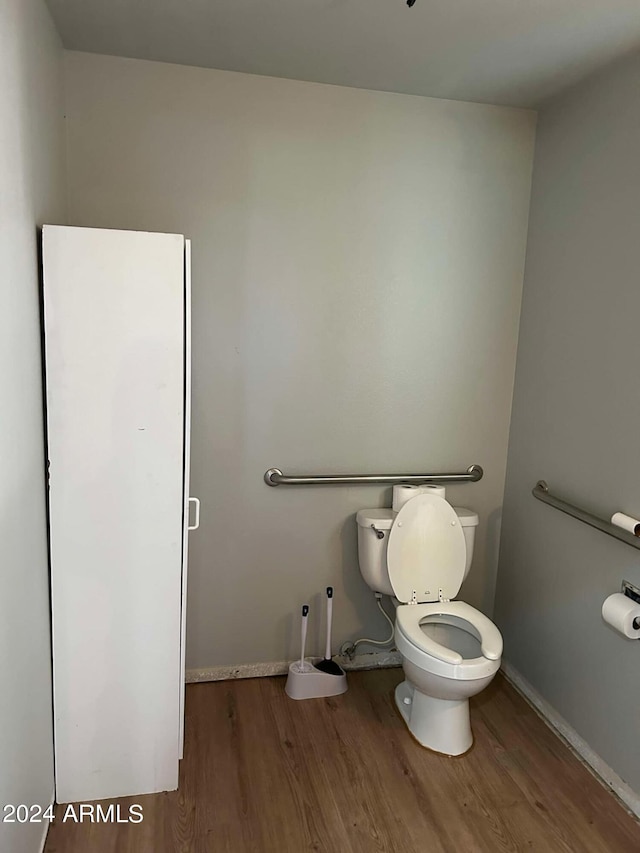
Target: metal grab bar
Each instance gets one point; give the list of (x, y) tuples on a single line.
[(275, 477), (541, 492)]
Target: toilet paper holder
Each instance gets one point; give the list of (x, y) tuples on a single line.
[(632, 592)]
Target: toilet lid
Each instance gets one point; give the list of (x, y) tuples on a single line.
[(427, 550)]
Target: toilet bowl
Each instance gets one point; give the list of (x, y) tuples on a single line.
[(450, 651)]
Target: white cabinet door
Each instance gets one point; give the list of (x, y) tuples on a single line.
[(114, 361), (186, 499)]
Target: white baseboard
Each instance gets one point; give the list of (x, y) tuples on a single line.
[(46, 824), (375, 660), (608, 777)]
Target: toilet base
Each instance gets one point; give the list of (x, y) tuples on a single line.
[(442, 725)]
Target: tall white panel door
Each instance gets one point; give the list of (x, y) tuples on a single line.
[(114, 305), (187, 526)]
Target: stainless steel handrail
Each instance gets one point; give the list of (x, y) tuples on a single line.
[(275, 477), (541, 492)]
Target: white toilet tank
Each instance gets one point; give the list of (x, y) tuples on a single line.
[(373, 538)]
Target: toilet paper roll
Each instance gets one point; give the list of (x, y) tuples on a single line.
[(626, 522), (402, 493), (620, 611), (432, 489)]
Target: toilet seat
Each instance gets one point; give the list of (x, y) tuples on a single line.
[(427, 553), (410, 636)]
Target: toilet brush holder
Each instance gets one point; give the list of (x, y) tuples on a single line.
[(310, 683)]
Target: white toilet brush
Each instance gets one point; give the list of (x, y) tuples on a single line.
[(303, 665)]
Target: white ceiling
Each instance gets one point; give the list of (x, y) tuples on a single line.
[(514, 52)]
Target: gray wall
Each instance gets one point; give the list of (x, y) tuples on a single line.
[(576, 414), (357, 272), (31, 191)]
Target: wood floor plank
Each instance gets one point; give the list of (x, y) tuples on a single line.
[(302, 812), (356, 769), (265, 774), (554, 780)]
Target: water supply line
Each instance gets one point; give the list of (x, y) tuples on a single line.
[(349, 649)]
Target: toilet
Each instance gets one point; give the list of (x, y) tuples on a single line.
[(450, 651)]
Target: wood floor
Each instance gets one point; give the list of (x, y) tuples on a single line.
[(265, 774)]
